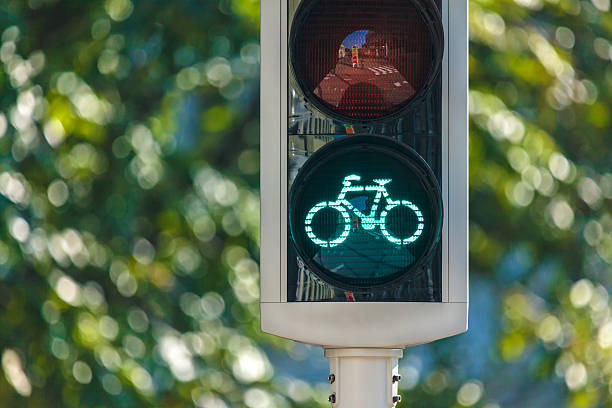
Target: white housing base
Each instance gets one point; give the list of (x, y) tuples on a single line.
[(384, 325), (363, 378)]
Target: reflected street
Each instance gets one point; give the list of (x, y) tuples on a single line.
[(364, 78), (388, 85)]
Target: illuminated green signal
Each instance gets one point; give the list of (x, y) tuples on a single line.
[(369, 221)]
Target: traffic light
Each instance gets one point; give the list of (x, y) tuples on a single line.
[(365, 211), (364, 206)]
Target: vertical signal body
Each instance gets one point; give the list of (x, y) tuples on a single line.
[(364, 170)]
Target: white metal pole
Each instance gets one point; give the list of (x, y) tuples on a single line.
[(364, 378)]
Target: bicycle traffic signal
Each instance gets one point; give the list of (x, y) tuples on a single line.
[(364, 171), (363, 210)]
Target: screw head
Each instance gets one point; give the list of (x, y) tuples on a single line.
[(331, 378), (332, 398)]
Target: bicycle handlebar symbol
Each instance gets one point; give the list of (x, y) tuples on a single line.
[(369, 221)]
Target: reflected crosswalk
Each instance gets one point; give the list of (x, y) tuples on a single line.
[(383, 70), (378, 81)]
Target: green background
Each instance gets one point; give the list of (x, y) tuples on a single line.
[(129, 212)]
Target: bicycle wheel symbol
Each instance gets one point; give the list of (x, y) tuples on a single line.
[(328, 243), (415, 235)]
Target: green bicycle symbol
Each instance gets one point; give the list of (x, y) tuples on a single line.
[(369, 221)]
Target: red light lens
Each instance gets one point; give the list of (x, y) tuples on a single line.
[(364, 59)]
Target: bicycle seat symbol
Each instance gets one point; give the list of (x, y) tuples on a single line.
[(368, 221)]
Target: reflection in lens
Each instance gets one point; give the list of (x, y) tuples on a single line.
[(364, 80), (364, 59)]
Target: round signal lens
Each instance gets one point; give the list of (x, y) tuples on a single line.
[(365, 59), (365, 211)]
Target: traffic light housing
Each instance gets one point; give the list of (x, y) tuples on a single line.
[(364, 171)]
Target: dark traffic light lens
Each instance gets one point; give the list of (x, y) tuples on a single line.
[(365, 59), (365, 211)]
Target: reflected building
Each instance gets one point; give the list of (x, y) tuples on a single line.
[(376, 45)]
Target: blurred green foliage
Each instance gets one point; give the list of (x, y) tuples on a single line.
[(129, 213)]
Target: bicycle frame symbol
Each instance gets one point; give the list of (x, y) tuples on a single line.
[(369, 221)]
